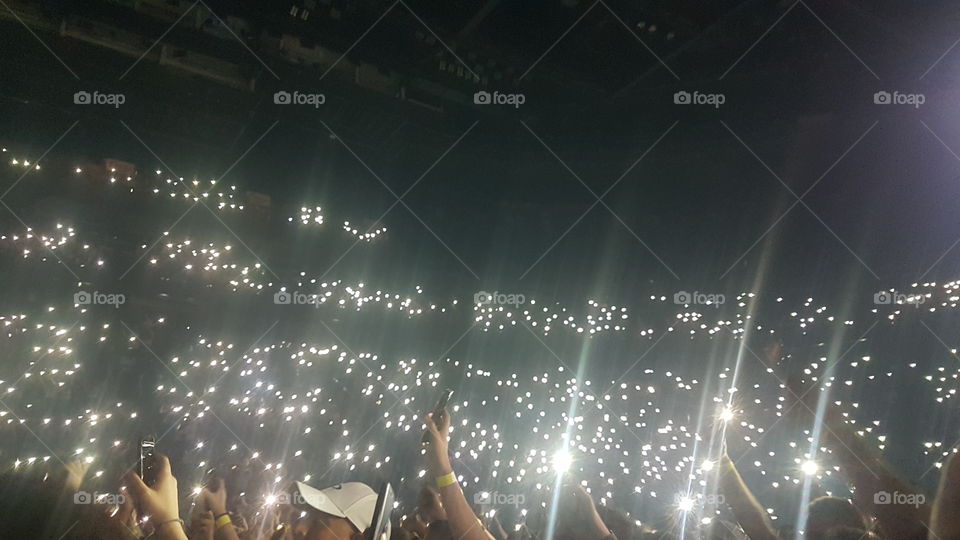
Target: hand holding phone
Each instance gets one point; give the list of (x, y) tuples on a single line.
[(438, 411)]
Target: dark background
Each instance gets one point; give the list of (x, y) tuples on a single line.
[(799, 99), (701, 211)]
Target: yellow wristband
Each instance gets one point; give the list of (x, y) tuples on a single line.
[(446, 480), (223, 521)]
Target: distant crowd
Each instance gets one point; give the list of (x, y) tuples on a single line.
[(56, 505)]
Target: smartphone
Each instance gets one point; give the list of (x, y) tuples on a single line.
[(212, 478), (441, 405), (148, 461), (381, 514)]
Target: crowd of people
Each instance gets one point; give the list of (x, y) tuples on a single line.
[(55, 505), (281, 403)]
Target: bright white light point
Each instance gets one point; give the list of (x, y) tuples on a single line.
[(809, 467), (271, 499), (685, 504), (707, 465), (562, 461), (726, 415)]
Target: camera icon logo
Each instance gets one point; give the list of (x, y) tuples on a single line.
[(82, 497), (282, 97), (682, 297), (82, 97), (482, 97), (883, 298), (682, 97), (711, 499), (82, 298), (282, 297), (482, 297), (882, 98), (484, 498), (882, 497)]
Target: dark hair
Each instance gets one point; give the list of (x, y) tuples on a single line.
[(719, 529), (439, 529), (825, 513), (658, 535), (27, 503), (848, 533), (93, 523), (618, 522), (397, 533)]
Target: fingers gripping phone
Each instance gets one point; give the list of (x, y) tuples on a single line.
[(147, 468), (437, 411)]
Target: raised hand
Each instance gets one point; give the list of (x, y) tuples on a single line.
[(438, 432), (202, 526), (75, 471), (159, 502), (945, 521), (463, 523), (429, 506), (214, 497), (577, 516)]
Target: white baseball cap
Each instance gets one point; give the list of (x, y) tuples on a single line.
[(354, 501)]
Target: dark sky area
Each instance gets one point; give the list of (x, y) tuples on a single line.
[(695, 196), (819, 157)]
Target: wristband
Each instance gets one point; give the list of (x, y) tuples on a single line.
[(156, 526), (177, 520), (223, 520), (446, 480)]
